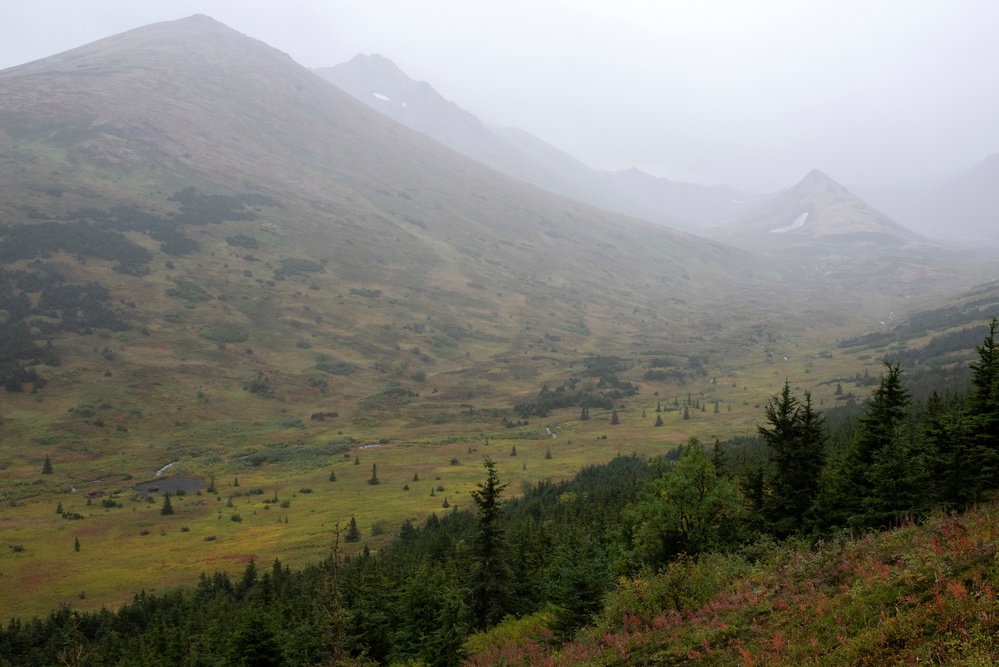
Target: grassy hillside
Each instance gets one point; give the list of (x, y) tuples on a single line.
[(214, 259), (914, 595)]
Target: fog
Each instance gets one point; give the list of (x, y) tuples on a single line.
[(876, 94)]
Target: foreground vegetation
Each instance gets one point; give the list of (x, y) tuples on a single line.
[(687, 558)]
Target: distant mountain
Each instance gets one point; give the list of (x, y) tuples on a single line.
[(816, 212), (963, 210), (379, 83), (822, 229)]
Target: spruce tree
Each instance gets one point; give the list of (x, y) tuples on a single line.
[(47, 466), (891, 469), (659, 420), (167, 508), (686, 412), (374, 475), (983, 407), (332, 475), (795, 439), (76, 544), (955, 466), (615, 420), (492, 583), (353, 533)]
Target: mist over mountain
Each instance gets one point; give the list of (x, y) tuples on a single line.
[(963, 210), (379, 83)]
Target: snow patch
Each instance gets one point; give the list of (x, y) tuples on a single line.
[(798, 223), (165, 468), (384, 98), (736, 201), (405, 104)]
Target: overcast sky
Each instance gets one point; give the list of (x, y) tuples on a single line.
[(752, 93)]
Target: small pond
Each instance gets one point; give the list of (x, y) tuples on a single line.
[(171, 485)]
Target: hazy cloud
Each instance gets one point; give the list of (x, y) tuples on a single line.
[(750, 93)]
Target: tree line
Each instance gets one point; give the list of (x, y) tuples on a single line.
[(561, 548)]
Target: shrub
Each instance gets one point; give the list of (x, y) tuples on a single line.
[(290, 422), (682, 585), (222, 333), (334, 367), (188, 291), (243, 241)]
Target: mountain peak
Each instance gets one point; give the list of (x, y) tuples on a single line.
[(816, 178), (376, 65), (817, 209)]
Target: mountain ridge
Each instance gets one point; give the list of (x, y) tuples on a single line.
[(417, 105)]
